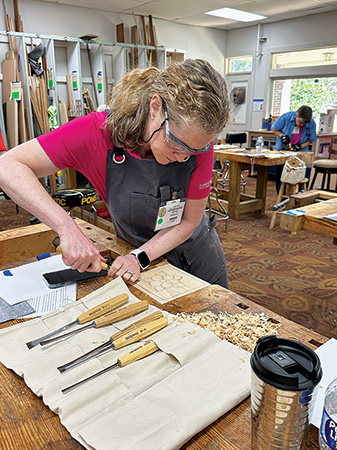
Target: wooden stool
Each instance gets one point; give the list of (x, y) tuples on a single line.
[(70, 198), (326, 167), (286, 190), (224, 180)]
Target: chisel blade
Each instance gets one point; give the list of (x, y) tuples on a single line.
[(73, 386), (110, 344), (37, 341), (91, 314), (144, 350), (63, 336), (95, 352)]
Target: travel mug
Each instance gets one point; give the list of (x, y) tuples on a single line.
[(284, 376)]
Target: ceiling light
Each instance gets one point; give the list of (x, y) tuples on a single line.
[(235, 14)]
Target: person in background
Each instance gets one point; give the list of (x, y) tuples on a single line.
[(150, 158), (295, 131)]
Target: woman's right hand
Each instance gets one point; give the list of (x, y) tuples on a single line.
[(79, 252)]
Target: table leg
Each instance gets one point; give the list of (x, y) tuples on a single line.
[(234, 189), (261, 185)]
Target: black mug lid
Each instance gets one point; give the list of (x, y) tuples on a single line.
[(286, 364)]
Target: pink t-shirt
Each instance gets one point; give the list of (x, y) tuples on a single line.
[(296, 137), (83, 143)]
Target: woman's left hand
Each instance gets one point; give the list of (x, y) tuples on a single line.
[(126, 267)]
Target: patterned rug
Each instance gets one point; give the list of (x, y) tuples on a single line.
[(293, 275)]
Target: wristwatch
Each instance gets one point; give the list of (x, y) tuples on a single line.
[(142, 258)]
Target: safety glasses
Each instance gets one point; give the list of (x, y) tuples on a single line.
[(176, 144)]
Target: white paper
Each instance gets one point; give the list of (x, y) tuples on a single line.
[(277, 155), (331, 217), (258, 104), (27, 282), (327, 354), (52, 300)]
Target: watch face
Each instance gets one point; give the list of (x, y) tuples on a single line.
[(143, 260)]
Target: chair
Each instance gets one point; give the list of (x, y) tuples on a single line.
[(232, 138), (221, 212), (326, 167), (236, 138)]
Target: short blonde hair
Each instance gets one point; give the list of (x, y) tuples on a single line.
[(194, 93)]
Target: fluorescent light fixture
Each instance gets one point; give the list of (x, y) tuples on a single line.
[(235, 14)]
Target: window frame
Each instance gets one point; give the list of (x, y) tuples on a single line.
[(239, 72)]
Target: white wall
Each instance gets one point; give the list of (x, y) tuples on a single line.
[(301, 33), (210, 44), (71, 21), (205, 43)]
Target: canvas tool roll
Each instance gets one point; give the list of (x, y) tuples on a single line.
[(158, 402), (293, 170)]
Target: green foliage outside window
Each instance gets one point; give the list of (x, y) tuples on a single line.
[(318, 93), (239, 65)]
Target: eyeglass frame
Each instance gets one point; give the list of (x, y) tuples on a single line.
[(170, 135)]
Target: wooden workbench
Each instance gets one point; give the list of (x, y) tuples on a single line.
[(237, 203), (313, 219), (28, 423)]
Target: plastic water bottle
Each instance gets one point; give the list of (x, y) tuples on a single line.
[(328, 430), (259, 145)]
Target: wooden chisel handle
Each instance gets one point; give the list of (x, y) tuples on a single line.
[(140, 333), (138, 353), (120, 314), (104, 265), (154, 316), (103, 308)]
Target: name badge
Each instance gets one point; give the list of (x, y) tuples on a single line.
[(296, 130), (170, 214)]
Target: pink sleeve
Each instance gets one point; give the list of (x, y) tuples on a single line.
[(201, 179), (80, 144)]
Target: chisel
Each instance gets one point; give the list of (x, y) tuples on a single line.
[(135, 332), (56, 243), (92, 314), (107, 319), (104, 265), (146, 349)]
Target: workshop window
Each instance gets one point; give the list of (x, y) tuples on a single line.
[(239, 64), (304, 58), (319, 93)]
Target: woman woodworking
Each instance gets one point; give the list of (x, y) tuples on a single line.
[(150, 157)]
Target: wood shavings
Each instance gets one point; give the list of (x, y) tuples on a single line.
[(242, 329)]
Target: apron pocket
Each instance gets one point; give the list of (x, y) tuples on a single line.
[(203, 255), (143, 214), (203, 243)]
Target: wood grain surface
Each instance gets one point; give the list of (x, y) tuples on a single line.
[(26, 423), (313, 219), (236, 202)]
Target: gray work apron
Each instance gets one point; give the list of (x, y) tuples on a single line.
[(135, 188)]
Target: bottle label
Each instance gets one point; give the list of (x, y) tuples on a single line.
[(329, 430)]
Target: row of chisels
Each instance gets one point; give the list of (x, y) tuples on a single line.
[(105, 314)]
